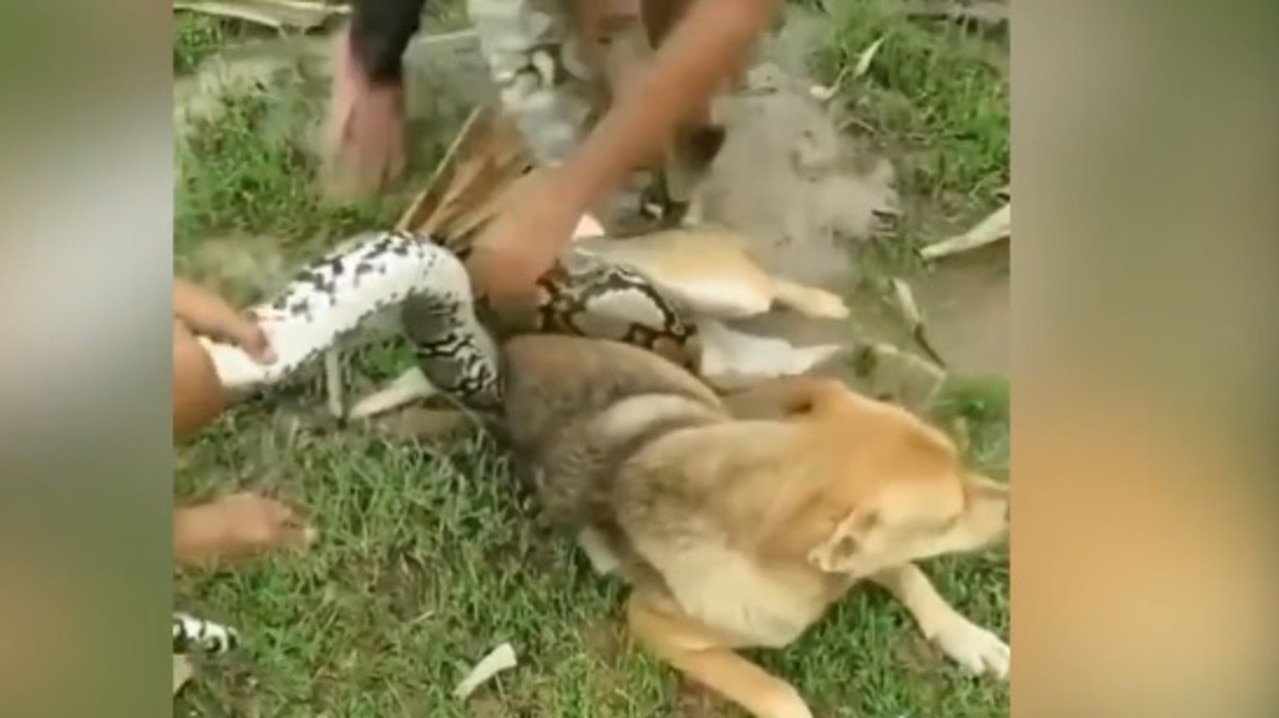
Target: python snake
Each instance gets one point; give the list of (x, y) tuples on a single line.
[(455, 350), (196, 635)]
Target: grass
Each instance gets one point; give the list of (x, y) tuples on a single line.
[(936, 99), (429, 556)]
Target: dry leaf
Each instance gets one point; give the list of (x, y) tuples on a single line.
[(905, 299), (499, 659), (867, 57), (484, 160), (993, 228), (825, 93)]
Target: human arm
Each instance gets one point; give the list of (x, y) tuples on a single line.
[(198, 395), (705, 48), (367, 134), (709, 43)]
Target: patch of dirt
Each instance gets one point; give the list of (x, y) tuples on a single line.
[(788, 178), (806, 196), (968, 303), (486, 706)]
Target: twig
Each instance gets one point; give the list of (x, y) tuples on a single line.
[(334, 387), (905, 300)]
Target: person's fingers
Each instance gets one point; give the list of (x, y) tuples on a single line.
[(289, 528), (246, 334), (204, 312)]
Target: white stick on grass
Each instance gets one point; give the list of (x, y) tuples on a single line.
[(499, 659), (999, 225)]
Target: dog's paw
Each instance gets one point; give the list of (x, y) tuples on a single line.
[(975, 649)]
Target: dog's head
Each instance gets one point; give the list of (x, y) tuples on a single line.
[(891, 489)]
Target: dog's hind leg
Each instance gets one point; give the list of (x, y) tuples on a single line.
[(701, 655), (971, 646)]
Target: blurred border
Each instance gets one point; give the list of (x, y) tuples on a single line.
[(1144, 146), (1144, 136), (86, 192)]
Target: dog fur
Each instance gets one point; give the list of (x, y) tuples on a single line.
[(739, 521)]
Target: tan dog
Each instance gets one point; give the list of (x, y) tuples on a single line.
[(738, 522)]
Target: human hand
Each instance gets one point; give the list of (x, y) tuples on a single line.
[(204, 313), (533, 226), (366, 133), (238, 525)]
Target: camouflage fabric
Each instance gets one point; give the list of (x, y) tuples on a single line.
[(541, 66)]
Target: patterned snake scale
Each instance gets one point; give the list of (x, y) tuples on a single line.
[(196, 635), (335, 294)]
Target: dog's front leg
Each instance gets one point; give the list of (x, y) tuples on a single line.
[(697, 652), (971, 646)]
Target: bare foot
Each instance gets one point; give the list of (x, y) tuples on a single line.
[(366, 133), (238, 525)]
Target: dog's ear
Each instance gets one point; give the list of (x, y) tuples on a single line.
[(837, 552)]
